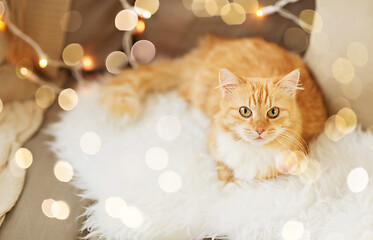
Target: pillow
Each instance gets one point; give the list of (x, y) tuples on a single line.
[(341, 56)]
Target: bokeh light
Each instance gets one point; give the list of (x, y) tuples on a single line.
[(169, 127), (146, 14), (140, 26), (23, 158), (353, 89), (295, 39), (211, 7), (169, 181), (292, 230), (343, 70), (250, 6), (143, 51), (46, 207), (302, 162), (233, 14), (60, 210), (45, 96), (72, 54), (1, 105), (286, 162), (312, 173), (311, 18), (357, 179), (357, 53), (126, 20), (199, 9), (43, 62), (90, 143), (116, 61), (150, 6), (2, 25), (346, 120), (71, 21), (156, 158), (63, 171), (331, 130), (132, 217), (115, 207), (259, 13), (87, 63), (68, 99), (23, 67)]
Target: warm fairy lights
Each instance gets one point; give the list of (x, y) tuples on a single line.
[(60, 210), (115, 206), (45, 96), (68, 99), (169, 127), (357, 180), (343, 70), (23, 158), (116, 61), (87, 63), (46, 207), (259, 13), (312, 172), (131, 216), (357, 53), (156, 158), (309, 17), (140, 26), (143, 51), (126, 20), (90, 143), (72, 54), (146, 14), (169, 181), (63, 171), (292, 230), (43, 63)]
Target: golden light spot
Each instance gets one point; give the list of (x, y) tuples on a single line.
[(302, 163), (295, 39), (286, 162), (132, 217), (87, 63), (90, 143), (292, 230), (169, 181), (143, 51), (233, 14), (250, 6), (259, 13), (346, 120), (126, 20), (353, 89), (149, 6), (169, 127), (211, 7), (2, 25), (115, 207), (60, 210), (312, 173), (357, 179), (310, 18), (146, 14), (357, 53), (1, 105), (23, 158), (24, 68), (116, 61), (331, 130), (140, 26), (46, 207), (198, 8), (322, 45), (63, 171), (68, 99), (43, 62), (343, 70), (156, 158), (72, 54), (71, 21), (45, 96), (339, 103)]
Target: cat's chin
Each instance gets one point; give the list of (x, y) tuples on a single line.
[(257, 142)]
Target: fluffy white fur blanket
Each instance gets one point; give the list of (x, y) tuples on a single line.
[(283, 208)]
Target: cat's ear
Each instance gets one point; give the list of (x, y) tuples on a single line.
[(228, 81), (290, 82)]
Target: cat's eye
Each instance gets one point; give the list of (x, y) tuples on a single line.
[(245, 112), (273, 112)]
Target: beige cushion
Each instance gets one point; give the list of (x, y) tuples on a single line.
[(345, 22)]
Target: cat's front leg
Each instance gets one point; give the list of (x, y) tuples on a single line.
[(225, 174)]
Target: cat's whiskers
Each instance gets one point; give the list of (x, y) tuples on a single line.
[(291, 139), (305, 143)]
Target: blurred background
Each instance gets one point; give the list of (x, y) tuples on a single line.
[(46, 47)]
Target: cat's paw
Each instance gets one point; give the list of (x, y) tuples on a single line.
[(225, 174), (121, 105)]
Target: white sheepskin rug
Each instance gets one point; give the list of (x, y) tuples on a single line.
[(172, 191)]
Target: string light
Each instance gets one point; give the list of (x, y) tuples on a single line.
[(87, 63), (146, 14), (43, 62), (259, 13)]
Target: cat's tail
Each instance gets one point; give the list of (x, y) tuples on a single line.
[(123, 95)]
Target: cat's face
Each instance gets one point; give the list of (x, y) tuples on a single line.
[(258, 110)]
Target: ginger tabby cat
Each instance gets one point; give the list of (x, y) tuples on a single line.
[(260, 97)]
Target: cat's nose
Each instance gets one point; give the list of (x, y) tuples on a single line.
[(260, 130)]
